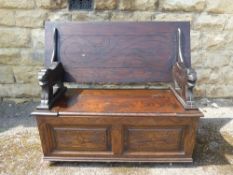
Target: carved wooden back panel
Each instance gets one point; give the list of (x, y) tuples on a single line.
[(117, 52)]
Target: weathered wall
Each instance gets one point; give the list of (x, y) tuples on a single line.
[(22, 37)]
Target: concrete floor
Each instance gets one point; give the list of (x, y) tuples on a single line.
[(20, 151)]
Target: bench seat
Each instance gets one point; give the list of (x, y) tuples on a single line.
[(115, 101)]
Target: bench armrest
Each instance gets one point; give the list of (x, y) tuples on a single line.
[(184, 78), (184, 81), (51, 82)]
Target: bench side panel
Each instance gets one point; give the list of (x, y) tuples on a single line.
[(117, 52)]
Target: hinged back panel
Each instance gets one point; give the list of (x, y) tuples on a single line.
[(117, 52)]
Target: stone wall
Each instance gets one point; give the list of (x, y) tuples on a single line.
[(22, 37)]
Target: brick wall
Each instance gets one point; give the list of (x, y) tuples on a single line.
[(22, 37)]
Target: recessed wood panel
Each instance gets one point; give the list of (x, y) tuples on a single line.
[(153, 139), (81, 138)]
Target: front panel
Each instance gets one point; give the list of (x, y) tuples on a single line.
[(117, 138)]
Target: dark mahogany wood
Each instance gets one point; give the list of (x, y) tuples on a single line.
[(118, 138), (118, 101), (123, 52), (48, 78), (118, 125), (184, 82)]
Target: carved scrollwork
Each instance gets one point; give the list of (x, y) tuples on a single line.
[(55, 38), (51, 82), (51, 79), (46, 90), (184, 77)]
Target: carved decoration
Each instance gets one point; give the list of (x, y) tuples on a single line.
[(55, 38), (51, 79), (184, 77)]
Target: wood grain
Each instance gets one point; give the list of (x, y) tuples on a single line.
[(131, 137), (153, 139), (118, 101), (120, 52), (81, 138)]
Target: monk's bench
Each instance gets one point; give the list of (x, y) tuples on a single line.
[(111, 124)]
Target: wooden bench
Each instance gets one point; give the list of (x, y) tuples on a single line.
[(117, 125)]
